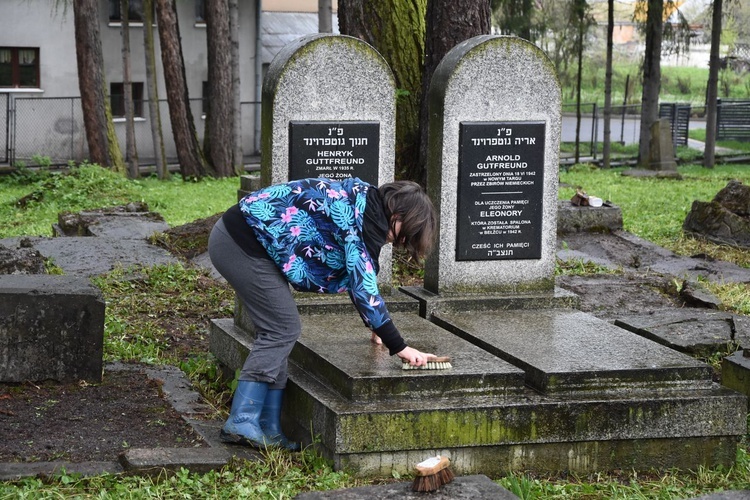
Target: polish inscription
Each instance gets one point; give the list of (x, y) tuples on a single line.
[(336, 150), (500, 187)]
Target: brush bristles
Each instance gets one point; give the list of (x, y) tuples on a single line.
[(432, 482), (431, 365)]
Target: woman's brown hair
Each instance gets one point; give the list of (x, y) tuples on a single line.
[(407, 202)]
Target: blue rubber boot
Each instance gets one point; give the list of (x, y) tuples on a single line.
[(270, 420), (243, 424)]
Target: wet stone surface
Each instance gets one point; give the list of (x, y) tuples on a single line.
[(368, 372), (565, 350)]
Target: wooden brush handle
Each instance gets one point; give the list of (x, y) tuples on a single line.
[(434, 359), (432, 466)]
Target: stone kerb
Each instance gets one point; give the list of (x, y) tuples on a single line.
[(329, 110), (495, 125)]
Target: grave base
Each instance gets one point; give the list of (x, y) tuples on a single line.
[(503, 406)]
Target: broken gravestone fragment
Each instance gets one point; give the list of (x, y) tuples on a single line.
[(87, 223), (723, 220), (23, 260)]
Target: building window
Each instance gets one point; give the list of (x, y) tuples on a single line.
[(200, 11), (19, 67), (117, 99), (135, 11)]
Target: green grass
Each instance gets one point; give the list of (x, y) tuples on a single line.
[(700, 135), (678, 84), (652, 208), (281, 475), (89, 186), (148, 308)]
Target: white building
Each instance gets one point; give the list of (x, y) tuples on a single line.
[(39, 95)]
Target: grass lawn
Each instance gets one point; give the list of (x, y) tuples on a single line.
[(653, 209)]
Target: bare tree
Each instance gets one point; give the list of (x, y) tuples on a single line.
[(396, 29), (157, 137), (97, 116), (712, 91), (514, 17), (608, 85), (578, 18), (127, 90), (651, 77), (189, 154), (324, 16), (234, 32), (218, 139)]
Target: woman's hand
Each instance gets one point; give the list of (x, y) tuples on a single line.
[(414, 357), (375, 339)]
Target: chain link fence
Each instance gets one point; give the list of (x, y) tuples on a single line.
[(51, 130)]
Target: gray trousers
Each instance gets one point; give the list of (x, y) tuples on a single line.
[(265, 292)]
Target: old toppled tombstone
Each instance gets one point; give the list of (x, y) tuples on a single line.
[(51, 328), (21, 260), (661, 161), (127, 221), (723, 220)]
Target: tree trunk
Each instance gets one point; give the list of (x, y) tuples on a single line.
[(651, 78), (579, 12), (127, 89), (92, 85), (515, 17), (608, 85), (157, 137), (396, 29), (238, 159), (218, 145), (189, 155), (712, 91), (449, 22), (324, 16)]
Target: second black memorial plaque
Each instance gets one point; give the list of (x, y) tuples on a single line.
[(336, 150), (500, 188)]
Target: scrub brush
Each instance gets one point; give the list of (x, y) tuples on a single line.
[(434, 363), (432, 474)]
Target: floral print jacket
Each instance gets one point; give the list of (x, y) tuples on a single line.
[(313, 230)]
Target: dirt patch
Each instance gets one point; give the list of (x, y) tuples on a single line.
[(82, 422), (189, 240)]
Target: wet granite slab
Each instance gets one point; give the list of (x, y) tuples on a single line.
[(337, 350), (478, 302), (695, 331), (635, 428), (567, 350)]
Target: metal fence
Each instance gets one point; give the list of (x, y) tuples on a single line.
[(624, 125), (733, 120), (679, 120), (4, 128), (51, 130)]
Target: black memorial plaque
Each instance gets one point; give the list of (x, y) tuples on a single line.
[(337, 150), (500, 187)]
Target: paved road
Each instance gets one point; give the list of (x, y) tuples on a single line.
[(625, 129)]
